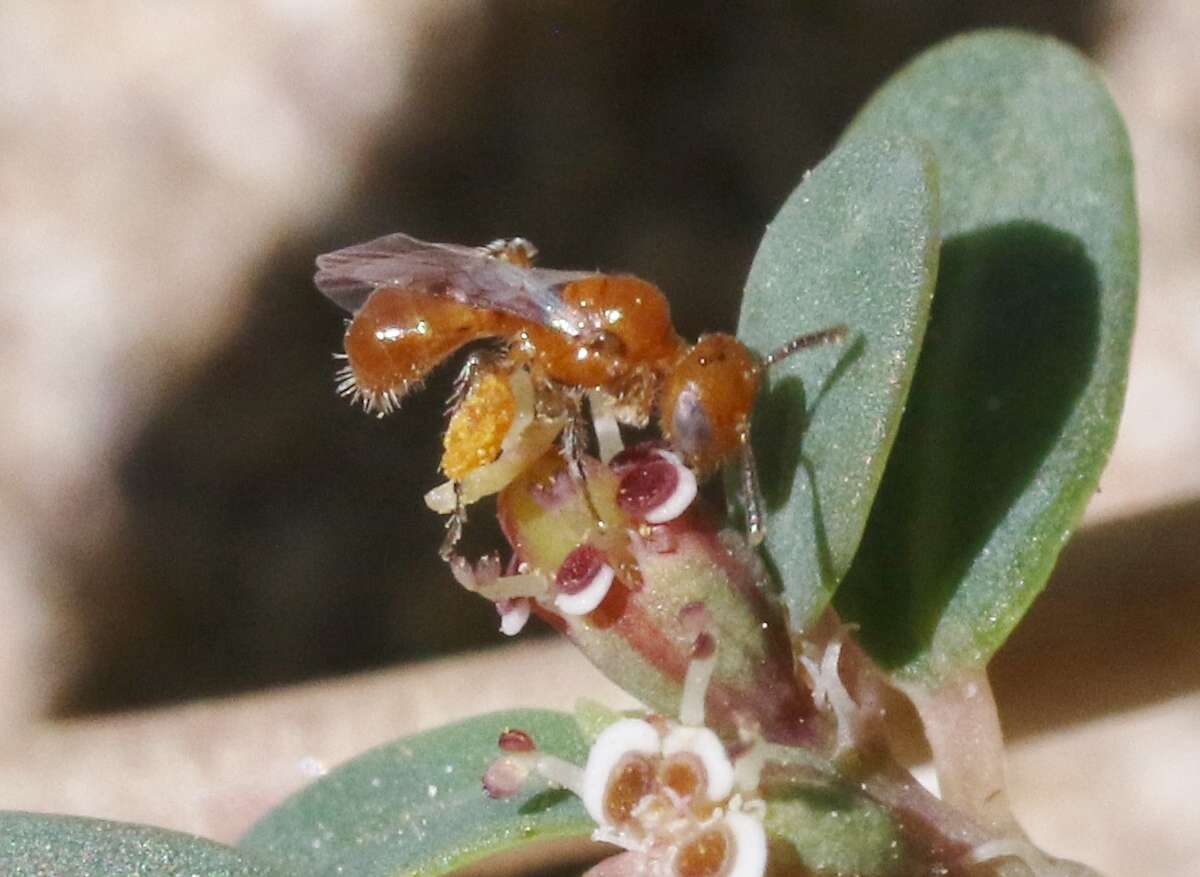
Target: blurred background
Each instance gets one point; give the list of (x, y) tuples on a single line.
[(187, 510)]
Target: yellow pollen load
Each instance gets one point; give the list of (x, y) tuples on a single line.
[(478, 426)]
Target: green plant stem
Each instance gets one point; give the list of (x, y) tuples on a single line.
[(963, 730)]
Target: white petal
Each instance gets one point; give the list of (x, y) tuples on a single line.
[(441, 498), (750, 845), (583, 602), (614, 743), (706, 746), (513, 619)]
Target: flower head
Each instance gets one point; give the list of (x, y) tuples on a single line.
[(667, 792)]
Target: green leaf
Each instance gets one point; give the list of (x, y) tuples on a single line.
[(72, 846), (1016, 400), (416, 806), (857, 244), (834, 831)]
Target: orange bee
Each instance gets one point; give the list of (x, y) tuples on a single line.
[(565, 336)]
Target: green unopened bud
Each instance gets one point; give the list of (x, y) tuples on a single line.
[(642, 578)]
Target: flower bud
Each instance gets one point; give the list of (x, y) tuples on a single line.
[(661, 580)]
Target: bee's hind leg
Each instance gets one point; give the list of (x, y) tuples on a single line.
[(476, 364)]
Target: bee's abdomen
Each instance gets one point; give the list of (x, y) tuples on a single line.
[(400, 335)]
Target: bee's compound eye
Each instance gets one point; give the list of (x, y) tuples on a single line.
[(691, 426)]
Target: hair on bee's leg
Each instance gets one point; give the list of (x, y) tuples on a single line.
[(476, 363), (518, 251), (462, 383), (752, 501), (803, 342), (454, 527), (574, 446)]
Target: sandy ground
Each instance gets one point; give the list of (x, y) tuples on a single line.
[(97, 332)]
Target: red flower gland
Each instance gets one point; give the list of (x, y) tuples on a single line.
[(516, 740), (657, 488), (582, 581)]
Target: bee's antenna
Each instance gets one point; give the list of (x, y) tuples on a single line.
[(803, 342)]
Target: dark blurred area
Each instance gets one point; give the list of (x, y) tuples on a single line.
[(272, 533)]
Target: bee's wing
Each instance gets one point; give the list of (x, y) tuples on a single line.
[(348, 276)]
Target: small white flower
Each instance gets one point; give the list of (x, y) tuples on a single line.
[(665, 791)]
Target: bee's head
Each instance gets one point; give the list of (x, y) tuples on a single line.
[(708, 398)]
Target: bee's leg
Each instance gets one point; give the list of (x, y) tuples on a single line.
[(756, 529), (574, 447), (454, 527), (518, 251), (473, 366)]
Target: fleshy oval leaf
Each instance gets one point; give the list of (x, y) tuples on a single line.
[(833, 831), (1019, 389), (417, 806), (855, 244), (75, 846)]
